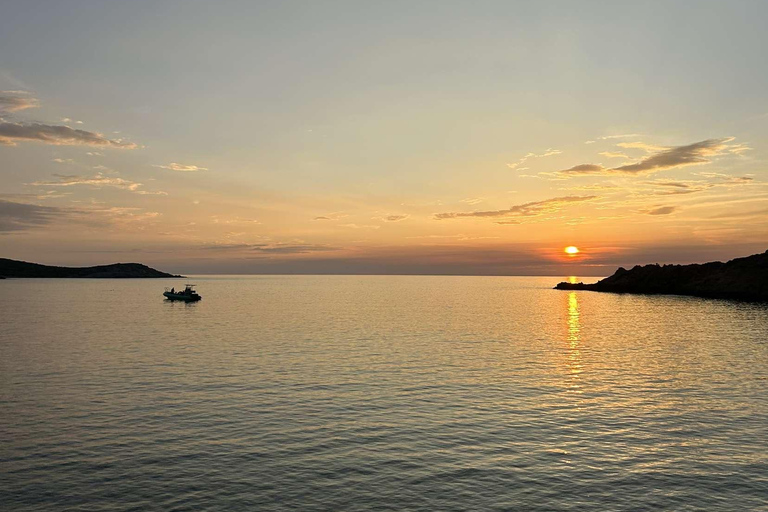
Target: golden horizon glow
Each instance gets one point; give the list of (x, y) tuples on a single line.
[(572, 250)]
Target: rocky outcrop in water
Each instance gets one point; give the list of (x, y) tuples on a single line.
[(13, 268), (740, 278)]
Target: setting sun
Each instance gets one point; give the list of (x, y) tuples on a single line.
[(572, 250)]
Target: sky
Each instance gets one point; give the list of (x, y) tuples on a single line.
[(400, 137)]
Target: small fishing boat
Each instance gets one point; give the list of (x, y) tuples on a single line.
[(188, 294)]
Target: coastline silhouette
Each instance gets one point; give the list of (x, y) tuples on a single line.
[(741, 278), (14, 268)]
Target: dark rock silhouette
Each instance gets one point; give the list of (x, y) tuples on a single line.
[(13, 268), (740, 278)]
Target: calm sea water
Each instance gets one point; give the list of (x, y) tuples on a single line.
[(378, 393)]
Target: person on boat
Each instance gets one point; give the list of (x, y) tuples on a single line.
[(172, 290)]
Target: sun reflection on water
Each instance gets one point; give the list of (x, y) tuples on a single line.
[(574, 339)]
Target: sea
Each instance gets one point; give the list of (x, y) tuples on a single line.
[(362, 393)]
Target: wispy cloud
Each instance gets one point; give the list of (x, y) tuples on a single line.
[(16, 217), (393, 217), (360, 226), (660, 210), (19, 217), (331, 216), (12, 133), (173, 166), (271, 248), (14, 101), (649, 148), (514, 214), (612, 154), (668, 158), (99, 180), (547, 152), (583, 169), (673, 187), (621, 136)]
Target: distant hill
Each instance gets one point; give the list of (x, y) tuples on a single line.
[(741, 278), (13, 268)]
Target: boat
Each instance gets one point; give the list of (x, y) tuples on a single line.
[(188, 294)]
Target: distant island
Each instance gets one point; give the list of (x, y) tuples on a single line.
[(13, 268), (740, 278)]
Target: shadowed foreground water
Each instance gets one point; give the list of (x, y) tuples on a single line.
[(378, 393)]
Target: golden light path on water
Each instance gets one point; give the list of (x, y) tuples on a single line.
[(574, 338)]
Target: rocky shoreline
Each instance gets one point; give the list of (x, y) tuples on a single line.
[(740, 278)]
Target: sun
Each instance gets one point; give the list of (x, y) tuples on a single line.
[(571, 250)]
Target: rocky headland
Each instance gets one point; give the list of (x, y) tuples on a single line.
[(740, 278), (14, 268)]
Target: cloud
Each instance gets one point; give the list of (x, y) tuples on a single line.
[(360, 226), (670, 187), (473, 200), (271, 248), (18, 217), (667, 158), (331, 216), (99, 180), (737, 215), (547, 152), (12, 133), (661, 210), (623, 136), (173, 166), (609, 154), (727, 179), (650, 148), (692, 154), (393, 217), (151, 192), (461, 237), (13, 101), (739, 180), (234, 220), (21, 216), (583, 169), (664, 187), (50, 194), (513, 214)]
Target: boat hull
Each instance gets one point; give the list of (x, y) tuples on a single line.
[(185, 298)]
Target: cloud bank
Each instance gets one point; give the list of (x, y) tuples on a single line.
[(22, 216), (58, 135)]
